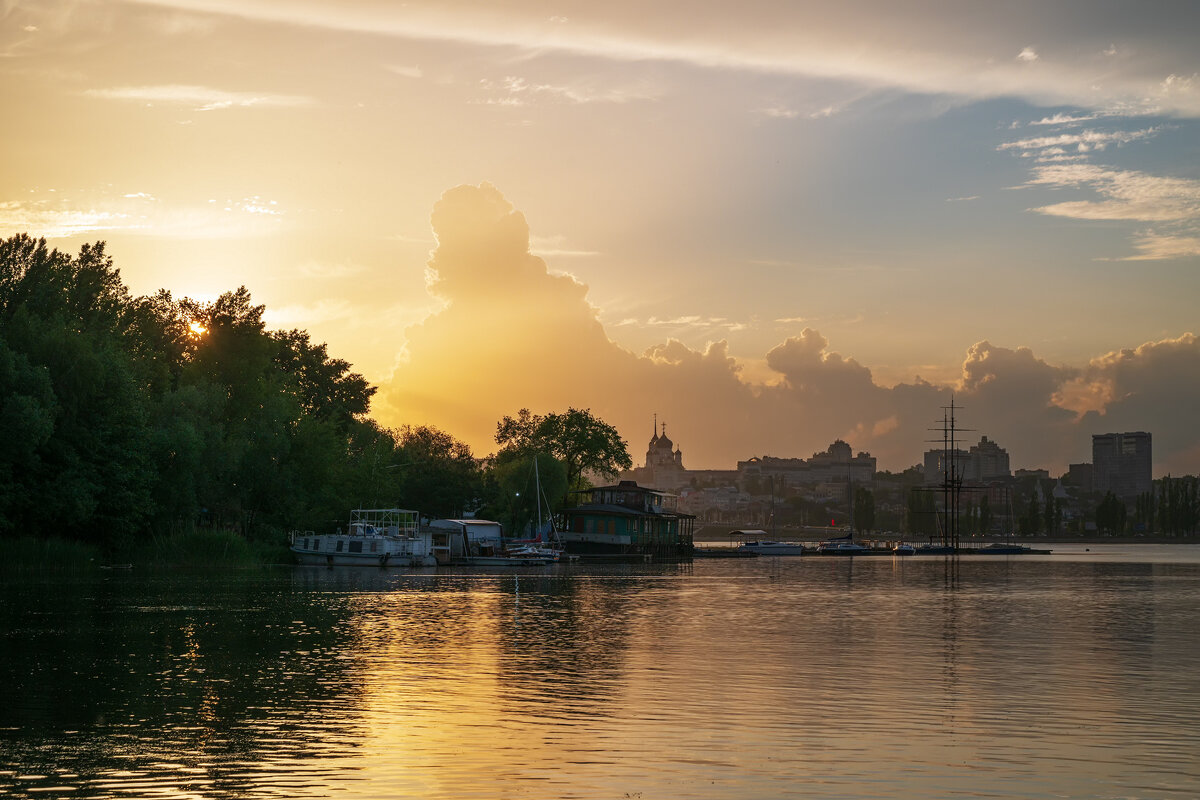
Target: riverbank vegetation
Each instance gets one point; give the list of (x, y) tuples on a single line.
[(156, 428)]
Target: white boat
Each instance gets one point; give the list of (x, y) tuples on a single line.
[(753, 541), (384, 537), (770, 548), (842, 548), (508, 560), (904, 549)]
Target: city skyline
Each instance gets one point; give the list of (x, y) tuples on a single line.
[(773, 227)]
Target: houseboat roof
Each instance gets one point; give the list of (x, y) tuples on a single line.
[(624, 511), (625, 486)]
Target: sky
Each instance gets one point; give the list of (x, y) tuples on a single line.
[(769, 224)]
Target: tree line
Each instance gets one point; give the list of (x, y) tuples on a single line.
[(129, 416)]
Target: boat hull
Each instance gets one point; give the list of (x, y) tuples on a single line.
[(310, 558), (774, 549)]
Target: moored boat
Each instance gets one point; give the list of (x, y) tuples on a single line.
[(754, 541), (384, 537), (842, 548)]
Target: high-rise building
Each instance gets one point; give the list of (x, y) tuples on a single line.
[(1121, 463), (984, 462)]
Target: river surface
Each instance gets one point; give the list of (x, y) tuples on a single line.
[(1073, 675)]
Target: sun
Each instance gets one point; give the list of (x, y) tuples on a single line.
[(197, 329)]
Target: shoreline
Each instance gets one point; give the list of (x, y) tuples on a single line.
[(720, 533)]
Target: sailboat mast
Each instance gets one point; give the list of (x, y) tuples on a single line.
[(537, 483)]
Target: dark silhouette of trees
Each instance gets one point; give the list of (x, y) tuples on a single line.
[(864, 510), (125, 416), (582, 441)]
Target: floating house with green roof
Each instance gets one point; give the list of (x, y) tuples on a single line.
[(627, 521)]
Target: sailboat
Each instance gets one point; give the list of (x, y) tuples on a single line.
[(544, 543)]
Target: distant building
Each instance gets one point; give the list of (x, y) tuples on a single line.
[(837, 464), (983, 463), (664, 463), (937, 464), (1079, 476), (1040, 474), (663, 468), (988, 461), (1121, 464)]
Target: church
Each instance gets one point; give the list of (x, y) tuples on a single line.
[(664, 463)]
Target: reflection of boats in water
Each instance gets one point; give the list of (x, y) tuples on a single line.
[(385, 537), (755, 541), (723, 552), (1005, 549)]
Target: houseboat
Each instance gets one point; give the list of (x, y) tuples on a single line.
[(385, 537), (627, 521)]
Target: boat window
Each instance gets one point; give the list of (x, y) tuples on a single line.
[(305, 545), (316, 544), (374, 547), (339, 545), (590, 525), (356, 547)]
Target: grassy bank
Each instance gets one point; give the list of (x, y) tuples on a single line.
[(201, 548), (195, 549), (30, 553)]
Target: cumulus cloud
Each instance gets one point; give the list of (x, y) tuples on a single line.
[(1153, 387), (512, 334)]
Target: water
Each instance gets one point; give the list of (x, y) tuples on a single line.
[(1073, 675)]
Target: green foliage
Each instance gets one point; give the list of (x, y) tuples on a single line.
[(47, 554), (440, 476), (511, 489), (984, 516), (1031, 521), (1110, 515), (127, 418), (920, 517), (864, 510), (582, 441)]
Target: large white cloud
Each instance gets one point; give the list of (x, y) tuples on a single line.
[(513, 335)]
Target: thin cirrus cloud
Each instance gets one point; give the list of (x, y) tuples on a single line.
[(141, 214), (1083, 141), (199, 98), (969, 52), (1173, 204)]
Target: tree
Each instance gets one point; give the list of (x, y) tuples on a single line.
[(1050, 514), (864, 510), (582, 441), (439, 476), (512, 490), (1110, 515), (921, 512), (1032, 520), (985, 515)]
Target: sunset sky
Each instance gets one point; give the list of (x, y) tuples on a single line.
[(771, 224)]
